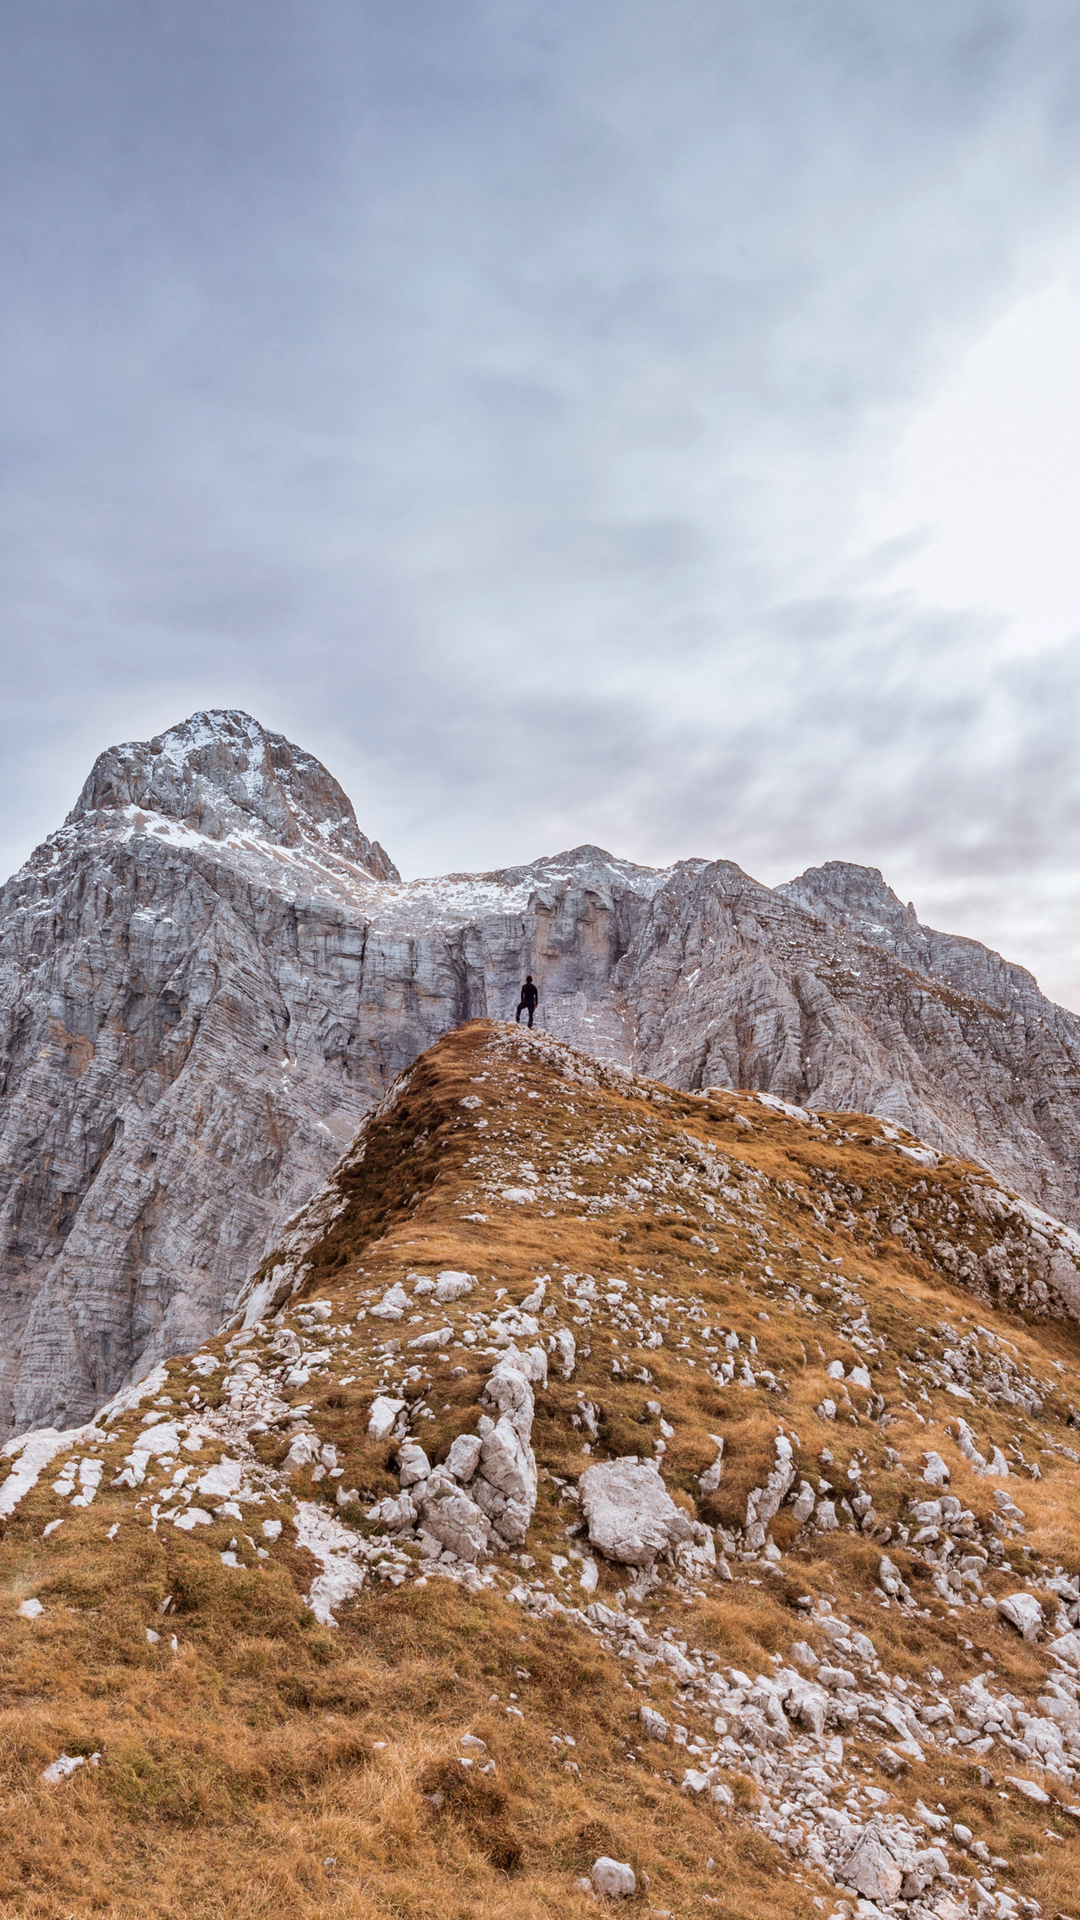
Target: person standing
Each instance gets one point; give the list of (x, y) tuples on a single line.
[(530, 994)]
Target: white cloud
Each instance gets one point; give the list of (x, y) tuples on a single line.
[(504, 401), (989, 474)]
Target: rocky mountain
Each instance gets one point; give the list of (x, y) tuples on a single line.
[(604, 1494), (210, 975)]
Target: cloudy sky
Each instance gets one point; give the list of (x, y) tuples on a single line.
[(654, 422)]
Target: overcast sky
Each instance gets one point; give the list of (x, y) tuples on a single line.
[(656, 424)]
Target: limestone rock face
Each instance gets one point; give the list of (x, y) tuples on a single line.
[(210, 975), (831, 995), (630, 1514)]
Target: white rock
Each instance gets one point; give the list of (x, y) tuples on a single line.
[(193, 1517), (835, 1678), (809, 1705), (272, 1529), (427, 1342), (303, 1451), (803, 1504), (613, 1877), (384, 1413), (629, 1512), (695, 1780), (890, 1579), (1023, 1612), (872, 1867), (333, 1546), (63, 1767), (31, 1610), (511, 1325), (509, 1387), (763, 1503), (859, 1377), (452, 1285), (397, 1512), (506, 1481), (834, 1370), (452, 1518), (710, 1479), (1067, 1648), (413, 1463), (219, 1482), (562, 1343), (935, 1472), (394, 1303), (464, 1456), (1029, 1789)]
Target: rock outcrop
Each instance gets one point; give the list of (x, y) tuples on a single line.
[(210, 975)]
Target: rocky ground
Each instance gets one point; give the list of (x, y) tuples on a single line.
[(603, 1496)]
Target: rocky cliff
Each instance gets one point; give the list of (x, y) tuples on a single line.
[(209, 975)]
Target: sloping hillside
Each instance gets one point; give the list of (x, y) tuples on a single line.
[(603, 1473)]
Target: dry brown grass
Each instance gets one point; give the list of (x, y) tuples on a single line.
[(233, 1772)]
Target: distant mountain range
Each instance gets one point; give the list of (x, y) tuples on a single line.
[(210, 975)]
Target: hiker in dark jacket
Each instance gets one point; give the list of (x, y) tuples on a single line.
[(529, 996)]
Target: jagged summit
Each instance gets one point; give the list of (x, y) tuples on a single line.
[(220, 772), (850, 895)]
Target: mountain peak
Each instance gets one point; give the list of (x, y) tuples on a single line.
[(849, 895), (220, 772)]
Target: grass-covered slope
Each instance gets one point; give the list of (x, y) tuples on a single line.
[(269, 1698)]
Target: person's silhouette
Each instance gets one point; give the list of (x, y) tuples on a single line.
[(530, 994)]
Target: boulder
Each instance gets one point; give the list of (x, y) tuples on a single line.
[(803, 1505), (509, 1387), (613, 1877), (656, 1727), (463, 1457), (505, 1485), (397, 1512), (1023, 1612), (413, 1463), (630, 1515), (452, 1285), (394, 1303), (451, 1517), (872, 1866), (384, 1413)]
